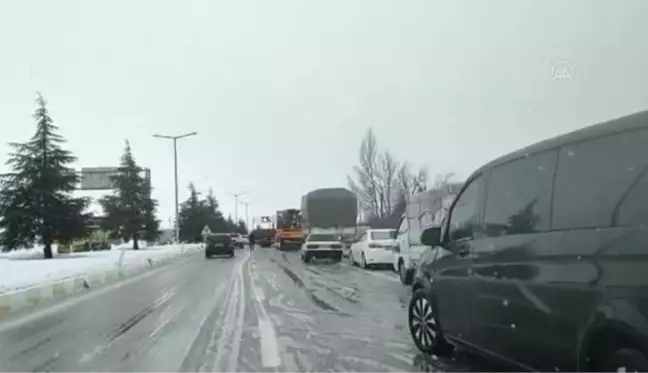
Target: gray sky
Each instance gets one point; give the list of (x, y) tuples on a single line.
[(293, 85)]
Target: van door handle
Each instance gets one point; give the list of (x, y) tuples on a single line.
[(463, 252)]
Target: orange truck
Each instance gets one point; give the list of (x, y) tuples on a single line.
[(289, 230)]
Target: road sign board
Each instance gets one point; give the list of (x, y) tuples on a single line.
[(98, 178), (101, 178), (206, 230)]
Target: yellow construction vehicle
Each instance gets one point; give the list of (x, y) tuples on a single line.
[(289, 231)]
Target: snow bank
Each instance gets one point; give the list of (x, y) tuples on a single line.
[(25, 268)]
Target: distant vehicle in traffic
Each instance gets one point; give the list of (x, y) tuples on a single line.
[(322, 244), (374, 248), (541, 261), (265, 236), (219, 244), (238, 240), (331, 210), (289, 230)]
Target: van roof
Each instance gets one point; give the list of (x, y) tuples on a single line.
[(622, 124)]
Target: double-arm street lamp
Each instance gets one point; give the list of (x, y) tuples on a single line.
[(236, 196), (175, 173)]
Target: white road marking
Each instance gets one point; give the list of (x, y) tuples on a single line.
[(267, 338), (165, 318), (226, 321), (238, 332), (269, 349), (221, 292)]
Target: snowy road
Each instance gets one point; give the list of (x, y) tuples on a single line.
[(260, 312)]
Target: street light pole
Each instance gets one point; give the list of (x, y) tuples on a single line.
[(236, 196), (247, 221), (175, 176)]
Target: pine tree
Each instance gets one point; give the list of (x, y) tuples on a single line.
[(230, 224), (193, 216), (151, 223), (36, 202), (241, 227), (130, 211), (215, 217)]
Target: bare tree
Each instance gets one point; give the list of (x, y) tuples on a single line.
[(411, 183), (444, 182), (387, 182), (365, 184), (381, 182)]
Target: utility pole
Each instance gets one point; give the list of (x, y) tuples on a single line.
[(247, 222), (175, 175), (236, 196)]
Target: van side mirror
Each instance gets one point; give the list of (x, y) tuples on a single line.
[(431, 236)]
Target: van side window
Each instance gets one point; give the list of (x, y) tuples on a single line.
[(465, 213), (519, 196), (602, 182)]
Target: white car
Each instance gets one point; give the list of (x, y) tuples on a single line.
[(375, 247), (239, 240), (322, 245)]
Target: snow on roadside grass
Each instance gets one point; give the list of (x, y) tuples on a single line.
[(25, 268)]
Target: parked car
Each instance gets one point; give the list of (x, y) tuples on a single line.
[(374, 248), (541, 263), (219, 244)]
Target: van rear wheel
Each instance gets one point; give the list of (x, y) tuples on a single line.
[(622, 360)]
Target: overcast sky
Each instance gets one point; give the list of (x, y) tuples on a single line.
[(282, 91)]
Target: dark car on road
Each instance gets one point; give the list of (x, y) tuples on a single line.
[(542, 262), (219, 244)]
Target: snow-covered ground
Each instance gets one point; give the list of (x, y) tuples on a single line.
[(25, 268)]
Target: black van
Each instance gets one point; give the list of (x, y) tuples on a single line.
[(542, 262)]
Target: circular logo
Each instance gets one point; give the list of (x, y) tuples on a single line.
[(562, 70)]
